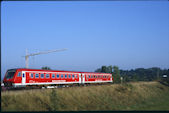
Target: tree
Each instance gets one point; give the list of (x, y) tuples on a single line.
[(98, 70), (135, 77), (116, 74), (46, 68), (104, 69), (109, 69)]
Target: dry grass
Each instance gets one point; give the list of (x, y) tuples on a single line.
[(132, 96)]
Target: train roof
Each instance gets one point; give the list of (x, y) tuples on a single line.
[(25, 69)]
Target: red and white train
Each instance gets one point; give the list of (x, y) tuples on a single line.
[(36, 77)]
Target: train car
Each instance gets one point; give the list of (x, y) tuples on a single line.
[(36, 77), (91, 77)]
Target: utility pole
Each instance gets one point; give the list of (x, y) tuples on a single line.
[(45, 52), (158, 73), (121, 78)]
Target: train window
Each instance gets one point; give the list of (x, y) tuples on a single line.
[(69, 76), (89, 76), (47, 75), (53, 75), (61, 76), (19, 74), (65, 76), (73, 76), (31, 75), (37, 75), (76, 76), (42, 75), (96, 76), (57, 75)]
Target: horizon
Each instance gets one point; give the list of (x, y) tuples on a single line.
[(129, 35)]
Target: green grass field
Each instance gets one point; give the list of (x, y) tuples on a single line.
[(131, 96)]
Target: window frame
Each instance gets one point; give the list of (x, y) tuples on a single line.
[(53, 75), (61, 76), (57, 76), (36, 75), (65, 75), (41, 75), (47, 74), (69, 76), (19, 73), (31, 75)]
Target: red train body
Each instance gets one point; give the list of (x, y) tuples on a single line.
[(27, 77)]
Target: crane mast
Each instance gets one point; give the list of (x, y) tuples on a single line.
[(44, 52)]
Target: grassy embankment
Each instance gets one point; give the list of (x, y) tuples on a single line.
[(131, 96)]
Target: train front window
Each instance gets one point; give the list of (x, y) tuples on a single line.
[(10, 74), (19, 74)]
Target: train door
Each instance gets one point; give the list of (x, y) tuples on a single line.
[(23, 77), (111, 78), (79, 78), (83, 78)]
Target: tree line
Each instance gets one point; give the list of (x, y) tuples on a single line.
[(138, 74)]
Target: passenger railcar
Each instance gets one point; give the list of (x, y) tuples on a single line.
[(31, 77)]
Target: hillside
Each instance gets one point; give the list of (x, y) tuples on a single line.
[(131, 96)]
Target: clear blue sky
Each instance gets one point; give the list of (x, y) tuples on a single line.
[(127, 34)]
